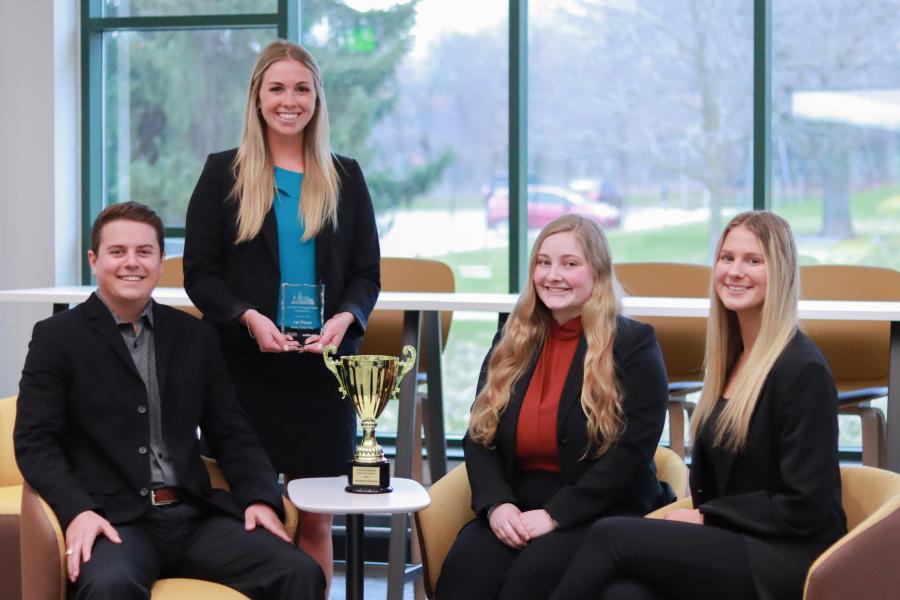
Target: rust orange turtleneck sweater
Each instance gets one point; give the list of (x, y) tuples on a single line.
[(536, 447)]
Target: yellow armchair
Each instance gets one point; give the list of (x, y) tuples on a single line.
[(451, 498), (10, 503), (44, 559), (863, 563)]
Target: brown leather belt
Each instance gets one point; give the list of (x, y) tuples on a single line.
[(166, 496)]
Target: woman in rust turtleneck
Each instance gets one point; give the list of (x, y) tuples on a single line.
[(570, 407)]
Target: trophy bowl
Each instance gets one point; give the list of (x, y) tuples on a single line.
[(369, 381)]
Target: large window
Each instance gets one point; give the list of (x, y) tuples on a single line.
[(836, 128), (161, 122), (649, 114)]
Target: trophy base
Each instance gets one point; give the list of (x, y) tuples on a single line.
[(300, 335), (368, 478)]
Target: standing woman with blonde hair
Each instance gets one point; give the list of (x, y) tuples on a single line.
[(764, 474), (570, 406), (282, 209)]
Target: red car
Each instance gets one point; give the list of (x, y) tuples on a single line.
[(546, 203)]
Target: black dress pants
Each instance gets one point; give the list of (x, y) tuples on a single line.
[(627, 558), (185, 540), (481, 567)]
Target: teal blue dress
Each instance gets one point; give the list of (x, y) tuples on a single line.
[(296, 257), (311, 434)]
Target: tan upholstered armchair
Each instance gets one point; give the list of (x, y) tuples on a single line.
[(863, 563), (451, 499), (858, 352), (44, 560), (10, 503)]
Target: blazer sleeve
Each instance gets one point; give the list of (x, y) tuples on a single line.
[(205, 246), (645, 393), (806, 412), (364, 273), (484, 466), (41, 426), (247, 469)]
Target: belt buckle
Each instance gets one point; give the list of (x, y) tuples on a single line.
[(156, 502)]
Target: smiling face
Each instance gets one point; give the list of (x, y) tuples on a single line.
[(287, 98), (127, 265), (563, 277), (740, 273)]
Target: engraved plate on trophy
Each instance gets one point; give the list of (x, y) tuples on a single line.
[(369, 381), (302, 306)]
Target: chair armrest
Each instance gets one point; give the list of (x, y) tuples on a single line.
[(863, 560), (660, 513), (438, 525), (291, 518), (43, 549), (216, 476)]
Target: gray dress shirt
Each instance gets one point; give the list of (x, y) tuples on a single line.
[(141, 345)]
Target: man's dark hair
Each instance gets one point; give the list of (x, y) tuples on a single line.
[(127, 211)]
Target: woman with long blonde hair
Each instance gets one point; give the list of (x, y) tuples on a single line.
[(570, 406), (764, 474), (282, 210)]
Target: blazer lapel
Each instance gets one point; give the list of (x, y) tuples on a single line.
[(571, 391), (103, 323)]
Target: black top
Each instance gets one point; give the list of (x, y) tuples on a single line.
[(719, 457)]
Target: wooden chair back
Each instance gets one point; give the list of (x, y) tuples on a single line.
[(682, 341), (858, 352)]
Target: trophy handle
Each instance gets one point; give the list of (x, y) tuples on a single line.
[(331, 364), (403, 367)]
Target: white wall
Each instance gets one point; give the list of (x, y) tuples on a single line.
[(39, 164)]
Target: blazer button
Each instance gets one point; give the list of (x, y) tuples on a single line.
[(142, 410), (564, 441), (142, 450), (144, 491)]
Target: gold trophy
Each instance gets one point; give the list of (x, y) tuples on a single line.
[(369, 380)]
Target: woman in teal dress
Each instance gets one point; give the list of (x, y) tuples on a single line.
[(281, 208)]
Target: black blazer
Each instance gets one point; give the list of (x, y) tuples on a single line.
[(783, 490), (224, 280), (79, 428), (620, 482)]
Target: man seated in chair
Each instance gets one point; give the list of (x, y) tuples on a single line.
[(110, 400)]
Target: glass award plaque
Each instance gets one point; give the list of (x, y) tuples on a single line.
[(302, 306)]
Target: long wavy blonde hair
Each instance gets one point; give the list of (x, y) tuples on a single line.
[(723, 334), (525, 332), (254, 184)]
